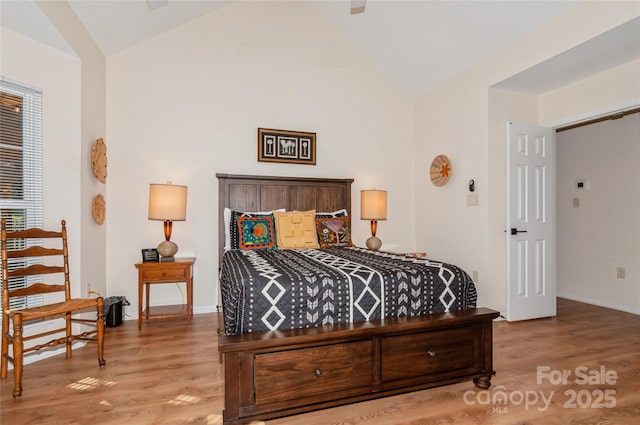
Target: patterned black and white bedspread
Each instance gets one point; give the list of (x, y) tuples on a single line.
[(287, 289)]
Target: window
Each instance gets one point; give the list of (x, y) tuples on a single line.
[(21, 165)]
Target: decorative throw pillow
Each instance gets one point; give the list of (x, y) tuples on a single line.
[(256, 232), (333, 232), (337, 213), (232, 239), (296, 229)]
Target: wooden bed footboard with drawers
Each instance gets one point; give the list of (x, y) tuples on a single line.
[(281, 373)]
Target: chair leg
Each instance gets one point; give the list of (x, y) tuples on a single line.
[(100, 332), (4, 360), (17, 355), (69, 331)]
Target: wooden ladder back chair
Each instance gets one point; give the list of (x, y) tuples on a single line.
[(26, 257)]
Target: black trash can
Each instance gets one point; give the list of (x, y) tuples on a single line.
[(114, 309)]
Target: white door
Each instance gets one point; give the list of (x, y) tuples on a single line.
[(531, 218)]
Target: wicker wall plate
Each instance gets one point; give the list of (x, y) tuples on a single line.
[(440, 170), (99, 160), (98, 207)]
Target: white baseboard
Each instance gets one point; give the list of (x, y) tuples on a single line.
[(205, 309), (600, 303), (196, 310)]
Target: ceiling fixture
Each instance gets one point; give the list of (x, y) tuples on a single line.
[(357, 6)]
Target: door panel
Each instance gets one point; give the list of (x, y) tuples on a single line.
[(530, 222)]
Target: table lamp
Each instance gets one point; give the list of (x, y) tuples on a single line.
[(373, 206), (168, 203)]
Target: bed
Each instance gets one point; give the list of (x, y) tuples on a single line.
[(308, 328), (268, 290)]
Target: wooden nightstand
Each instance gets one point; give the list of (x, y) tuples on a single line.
[(180, 270)]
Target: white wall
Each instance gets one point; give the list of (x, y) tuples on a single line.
[(187, 104), (57, 74), (93, 125), (603, 233), (454, 119), (608, 91)]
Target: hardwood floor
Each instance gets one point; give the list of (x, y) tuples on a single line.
[(171, 373)]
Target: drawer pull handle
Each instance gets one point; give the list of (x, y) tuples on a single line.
[(318, 373), (164, 273), (431, 354)]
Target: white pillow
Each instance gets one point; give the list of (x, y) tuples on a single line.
[(338, 213), (227, 233)]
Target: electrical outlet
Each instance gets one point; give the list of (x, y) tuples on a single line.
[(621, 272), (474, 276)]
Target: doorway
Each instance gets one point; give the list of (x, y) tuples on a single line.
[(598, 205)]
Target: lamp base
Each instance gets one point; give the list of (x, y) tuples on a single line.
[(167, 248), (374, 243)]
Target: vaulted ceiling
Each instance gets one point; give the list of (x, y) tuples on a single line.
[(419, 43)]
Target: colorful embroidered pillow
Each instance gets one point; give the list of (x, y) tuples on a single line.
[(296, 229), (333, 232), (231, 235), (256, 232)]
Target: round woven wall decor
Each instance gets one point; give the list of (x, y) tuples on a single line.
[(98, 207), (99, 160), (440, 170)]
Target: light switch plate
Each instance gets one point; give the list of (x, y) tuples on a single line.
[(472, 200)]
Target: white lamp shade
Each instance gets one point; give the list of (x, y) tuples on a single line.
[(167, 202), (373, 204)]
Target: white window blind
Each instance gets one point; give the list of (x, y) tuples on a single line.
[(21, 166)]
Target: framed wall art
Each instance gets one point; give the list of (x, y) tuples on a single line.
[(295, 147)]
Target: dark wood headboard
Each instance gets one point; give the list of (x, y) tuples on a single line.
[(266, 193)]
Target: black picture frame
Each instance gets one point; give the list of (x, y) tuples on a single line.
[(150, 255), (295, 147)]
